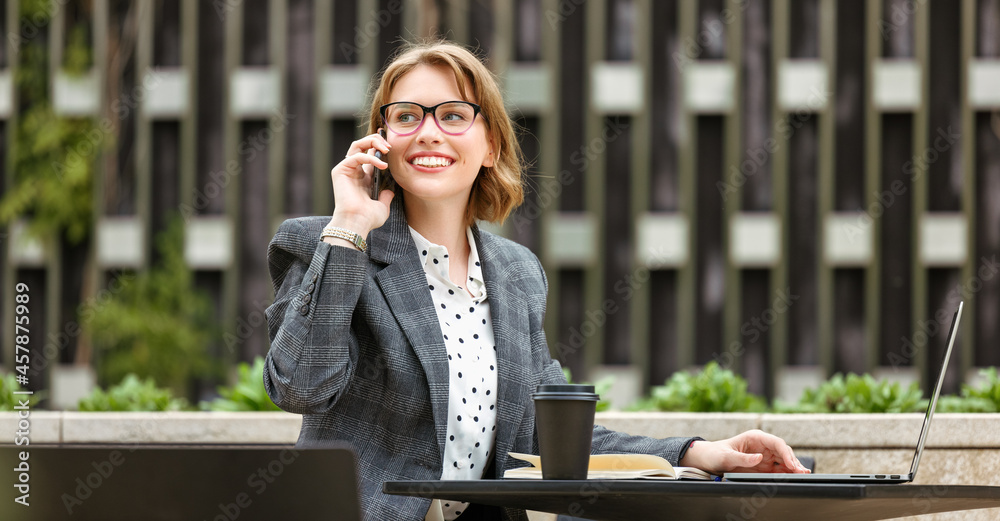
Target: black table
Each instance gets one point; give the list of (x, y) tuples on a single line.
[(631, 500)]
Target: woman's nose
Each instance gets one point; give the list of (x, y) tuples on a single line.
[(429, 132)]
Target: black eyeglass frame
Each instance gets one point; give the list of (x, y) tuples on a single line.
[(476, 111)]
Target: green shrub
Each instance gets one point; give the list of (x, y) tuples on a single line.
[(247, 395), (857, 394), (132, 394), (988, 391), (985, 398), (158, 324), (713, 389), (951, 403), (9, 385)]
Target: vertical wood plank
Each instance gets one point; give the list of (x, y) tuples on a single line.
[(189, 124), (212, 72), (619, 172), (661, 187), (143, 138), (752, 160), (687, 144), (595, 176), (284, 125), (570, 28), (549, 159), (826, 174), (871, 184), (945, 175), (985, 169), (300, 102), (232, 133), (642, 144), (919, 281), (851, 95), (969, 271), (735, 307), (804, 248), (893, 37)]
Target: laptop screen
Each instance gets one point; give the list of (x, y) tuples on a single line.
[(202, 483), (932, 404)]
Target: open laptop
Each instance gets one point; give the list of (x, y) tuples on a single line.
[(183, 483), (869, 478)]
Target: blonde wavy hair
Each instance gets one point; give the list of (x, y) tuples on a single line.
[(498, 189)]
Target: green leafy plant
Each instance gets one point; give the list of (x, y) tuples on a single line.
[(857, 394), (247, 395), (158, 325), (951, 403), (8, 400), (985, 398), (54, 156), (132, 394), (712, 389), (988, 390)]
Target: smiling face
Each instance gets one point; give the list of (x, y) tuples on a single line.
[(430, 165)]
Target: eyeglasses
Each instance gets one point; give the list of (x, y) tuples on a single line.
[(452, 117)]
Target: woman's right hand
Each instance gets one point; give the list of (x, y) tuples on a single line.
[(354, 208)]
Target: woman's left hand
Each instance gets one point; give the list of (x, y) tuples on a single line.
[(752, 451)]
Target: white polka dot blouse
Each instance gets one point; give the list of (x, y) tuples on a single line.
[(464, 315)]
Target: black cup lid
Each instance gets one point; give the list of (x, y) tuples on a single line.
[(565, 388)]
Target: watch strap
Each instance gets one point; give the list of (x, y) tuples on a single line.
[(347, 235)]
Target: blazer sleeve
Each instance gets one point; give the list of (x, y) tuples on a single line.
[(607, 441), (313, 351)]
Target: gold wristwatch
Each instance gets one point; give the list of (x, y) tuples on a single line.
[(347, 235)]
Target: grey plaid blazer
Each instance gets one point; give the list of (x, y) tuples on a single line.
[(356, 348)]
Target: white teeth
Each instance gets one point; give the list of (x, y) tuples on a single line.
[(431, 161)]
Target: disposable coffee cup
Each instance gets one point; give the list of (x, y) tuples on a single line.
[(564, 418)]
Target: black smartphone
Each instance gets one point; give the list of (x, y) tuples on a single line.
[(380, 178)]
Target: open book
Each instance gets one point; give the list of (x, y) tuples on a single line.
[(614, 466)]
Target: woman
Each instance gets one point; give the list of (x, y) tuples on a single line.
[(401, 327)]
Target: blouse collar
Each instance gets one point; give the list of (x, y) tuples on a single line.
[(430, 252)]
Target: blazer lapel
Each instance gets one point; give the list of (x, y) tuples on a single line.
[(404, 285), (508, 309)]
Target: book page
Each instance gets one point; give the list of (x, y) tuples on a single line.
[(614, 466)]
